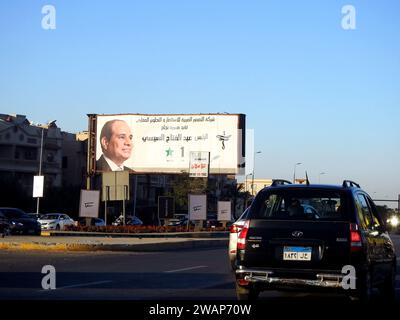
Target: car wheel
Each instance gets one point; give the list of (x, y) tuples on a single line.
[(246, 293), (388, 288)]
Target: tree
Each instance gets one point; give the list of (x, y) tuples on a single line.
[(183, 185)]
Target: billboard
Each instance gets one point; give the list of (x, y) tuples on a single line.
[(89, 203), (162, 143), (199, 163), (224, 210), (197, 207)]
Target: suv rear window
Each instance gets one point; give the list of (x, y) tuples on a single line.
[(302, 204)]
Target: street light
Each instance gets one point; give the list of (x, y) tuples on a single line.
[(319, 176), (40, 169), (250, 174), (294, 171), (254, 164)]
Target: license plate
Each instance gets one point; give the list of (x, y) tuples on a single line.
[(297, 253)]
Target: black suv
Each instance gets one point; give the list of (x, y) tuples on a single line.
[(314, 236)]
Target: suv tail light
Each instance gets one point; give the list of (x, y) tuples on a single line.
[(241, 242), (355, 238), (235, 228)]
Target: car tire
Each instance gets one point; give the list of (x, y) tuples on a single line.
[(388, 288), (246, 293)]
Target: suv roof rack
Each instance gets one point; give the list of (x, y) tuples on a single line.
[(350, 184), (277, 182)]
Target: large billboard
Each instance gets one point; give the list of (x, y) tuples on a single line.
[(162, 143)]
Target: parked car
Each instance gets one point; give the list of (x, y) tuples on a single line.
[(129, 221), (178, 222), (97, 222), (4, 226), (280, 245), (34, 215), (19, 222), (233, 234), (55, 221)]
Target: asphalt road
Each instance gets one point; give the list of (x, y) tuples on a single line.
[(201, 274)]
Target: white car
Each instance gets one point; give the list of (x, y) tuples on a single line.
[(233, 236), (55, 221)]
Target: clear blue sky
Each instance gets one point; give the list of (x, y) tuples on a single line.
[(312, 91)]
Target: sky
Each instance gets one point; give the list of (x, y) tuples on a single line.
[(312, 91)]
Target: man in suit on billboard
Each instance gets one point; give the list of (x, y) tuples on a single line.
[(116, 144)]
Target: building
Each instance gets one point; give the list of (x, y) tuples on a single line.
[(25, 149), (20, 151), (74, 159)]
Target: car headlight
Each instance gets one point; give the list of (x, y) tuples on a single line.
[(394, 221)]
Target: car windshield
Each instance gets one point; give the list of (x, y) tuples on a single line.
[(300, 205), (50, 217)]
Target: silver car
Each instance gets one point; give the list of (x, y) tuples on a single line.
[(233, 236), (55, 221)]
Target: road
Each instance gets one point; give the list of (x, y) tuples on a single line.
[(201, 274)]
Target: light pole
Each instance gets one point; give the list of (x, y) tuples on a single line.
[(40, 169), (319, 176), (294, 171), (254, 164), (246, 181)]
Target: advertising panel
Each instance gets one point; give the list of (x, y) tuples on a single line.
[(197, 207), (162, 143), (224, 211), (38, 183), (199, 164), (89, 203)]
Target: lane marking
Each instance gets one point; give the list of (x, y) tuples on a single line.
[(185, 269), (85, 284), (78, 285)]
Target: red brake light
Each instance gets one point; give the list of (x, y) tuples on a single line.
[(235, 228), (241, 242), (355, 237)]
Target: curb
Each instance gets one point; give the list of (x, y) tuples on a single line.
[(145, 247), (213, 234)]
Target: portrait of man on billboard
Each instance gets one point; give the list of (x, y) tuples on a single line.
[(116, 145)]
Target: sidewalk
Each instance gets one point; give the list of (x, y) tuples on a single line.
[(87, 243)]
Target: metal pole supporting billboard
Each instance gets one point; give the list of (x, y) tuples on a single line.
[(123, 201), (105, 204), (134, 199)]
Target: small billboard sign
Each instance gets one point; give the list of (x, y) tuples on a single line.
[(38, 183), (89, 203), (224, 211), (199, 164), (197, 207)]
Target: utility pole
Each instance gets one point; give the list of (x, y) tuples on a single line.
[(40, 169)]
